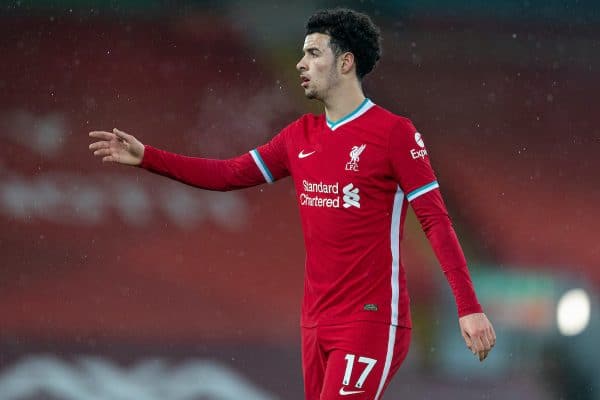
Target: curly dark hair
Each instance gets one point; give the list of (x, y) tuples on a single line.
[(350, 31)]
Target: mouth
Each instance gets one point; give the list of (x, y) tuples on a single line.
[(304, 82)]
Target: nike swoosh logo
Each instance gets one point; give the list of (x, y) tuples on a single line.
[(302, 154), (344, 392)]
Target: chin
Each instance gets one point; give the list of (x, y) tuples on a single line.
[(311, 95)]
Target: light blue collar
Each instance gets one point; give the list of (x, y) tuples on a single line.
[(360, 110)]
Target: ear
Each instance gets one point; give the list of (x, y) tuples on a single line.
[(347, 62)]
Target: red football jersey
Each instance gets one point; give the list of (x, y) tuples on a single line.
[(353, 179)]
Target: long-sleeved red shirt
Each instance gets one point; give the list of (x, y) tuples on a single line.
[(354, 179)]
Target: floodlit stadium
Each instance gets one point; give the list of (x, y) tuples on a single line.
[(116, 283)]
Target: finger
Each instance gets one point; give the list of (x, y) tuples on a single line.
[(468, 340), (103, 152), (477, 345), (493, 333), (491, 338), (110, 159), (486, 348), (486, 343), (481, 351), (483, 355), (102, 135), (99, 145)]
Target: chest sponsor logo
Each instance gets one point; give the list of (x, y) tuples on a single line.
[(355, 153), (302, 154), (351, 196), (421, 152), (329, 195)]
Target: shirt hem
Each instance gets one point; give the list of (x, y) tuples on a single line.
[(340, 321)]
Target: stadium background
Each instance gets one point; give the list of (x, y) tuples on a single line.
[(118, 284)]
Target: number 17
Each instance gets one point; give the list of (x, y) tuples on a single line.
[(370, 362)]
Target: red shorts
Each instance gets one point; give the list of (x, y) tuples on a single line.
[(352, 361)]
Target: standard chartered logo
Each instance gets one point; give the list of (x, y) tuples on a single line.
[(351, 196), (327, 195)]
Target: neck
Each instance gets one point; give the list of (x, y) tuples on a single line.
[(343, 101)]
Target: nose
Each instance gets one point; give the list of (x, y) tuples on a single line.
[(301, 66)]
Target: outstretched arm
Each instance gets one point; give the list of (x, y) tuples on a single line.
[(246, 170)]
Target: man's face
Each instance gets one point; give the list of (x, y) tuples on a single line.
[(318, 67)]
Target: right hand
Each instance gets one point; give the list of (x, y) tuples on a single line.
[(117, 146)]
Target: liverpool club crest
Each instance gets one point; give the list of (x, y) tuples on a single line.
[(352, 165)]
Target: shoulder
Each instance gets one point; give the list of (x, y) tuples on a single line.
[(304, 122), (398, 126), (310, 120), (302, 127), (394, 121)]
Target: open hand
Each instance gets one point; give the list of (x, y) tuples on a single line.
[(478, 333), (117, 146)]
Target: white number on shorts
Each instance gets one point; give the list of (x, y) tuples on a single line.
[(350, 364)]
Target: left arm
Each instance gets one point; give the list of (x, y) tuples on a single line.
[(412, 170), (475, 328)]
